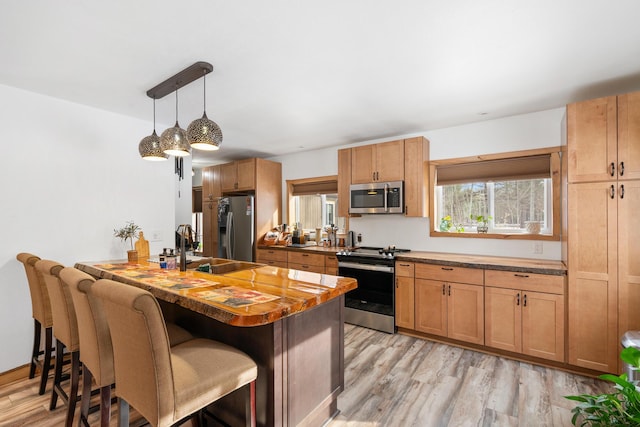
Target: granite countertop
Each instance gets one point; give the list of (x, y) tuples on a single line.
[(524, 265), (249, 297)]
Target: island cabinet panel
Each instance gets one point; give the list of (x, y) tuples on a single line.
[(405, 295), (274, 257), (378, 162)]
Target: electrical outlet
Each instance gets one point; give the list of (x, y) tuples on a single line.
[(537, 247), (155, 236)]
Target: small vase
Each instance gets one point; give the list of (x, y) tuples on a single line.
[(445, 225), (132, 256), (482, 228)]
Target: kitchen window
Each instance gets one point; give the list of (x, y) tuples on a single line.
[(519, 193), (313, 202)]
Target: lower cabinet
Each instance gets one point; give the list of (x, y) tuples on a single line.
[(331, 265), (305, 261), (274, 257), (521, 320), (405, 295)]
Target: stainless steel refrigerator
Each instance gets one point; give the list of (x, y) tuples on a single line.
[(235, 228)]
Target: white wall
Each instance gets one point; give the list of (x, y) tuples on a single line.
[(70, 175), (528, 131)]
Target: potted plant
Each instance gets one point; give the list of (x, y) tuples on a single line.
[(483, 222), (445, 223), (619, 408), (128, 232)]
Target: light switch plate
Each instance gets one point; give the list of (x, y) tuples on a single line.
[(537, 247)]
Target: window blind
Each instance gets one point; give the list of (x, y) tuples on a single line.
[(312, 188), (529, 167)]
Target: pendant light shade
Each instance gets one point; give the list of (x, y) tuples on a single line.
[(173, 141), (203, 133), (149, 146)]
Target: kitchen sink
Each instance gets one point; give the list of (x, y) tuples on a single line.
[(230, 266)]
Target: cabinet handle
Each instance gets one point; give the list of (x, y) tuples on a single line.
[(373, 176), (396, 283), (443, 291), (524, 300), (449, 290), (622, 191), (521, 275), (405, 265), (613, 169), (305, 266), (305, 254), (613, 192), (447, 268), (518, 299), (621, 169)]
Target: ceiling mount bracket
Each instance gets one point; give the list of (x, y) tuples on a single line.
[(183, 78)]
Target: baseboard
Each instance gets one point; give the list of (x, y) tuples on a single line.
[(16, 374)]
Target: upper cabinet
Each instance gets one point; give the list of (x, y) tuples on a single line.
[(402, 160), (378, 162), (603, 137), (238, 176)]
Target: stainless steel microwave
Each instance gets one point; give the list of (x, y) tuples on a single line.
[(377, 198)]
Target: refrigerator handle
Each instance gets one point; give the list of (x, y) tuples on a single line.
[(230, 232)]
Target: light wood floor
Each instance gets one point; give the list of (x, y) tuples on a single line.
[(396, 380)]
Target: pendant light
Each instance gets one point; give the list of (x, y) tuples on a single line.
[(173, 141), (203, 133), (149, 146)]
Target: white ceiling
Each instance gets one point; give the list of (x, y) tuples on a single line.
[(292, 75)]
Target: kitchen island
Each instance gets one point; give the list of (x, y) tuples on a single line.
[(290, 322)]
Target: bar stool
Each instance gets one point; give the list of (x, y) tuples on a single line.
[(166, 384), (65, 328), (42, 318)]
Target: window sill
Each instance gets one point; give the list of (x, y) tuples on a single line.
[(505, 236)]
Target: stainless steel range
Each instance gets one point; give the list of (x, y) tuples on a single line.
[(372, 304)]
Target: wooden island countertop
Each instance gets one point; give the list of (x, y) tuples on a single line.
[(249, 297)]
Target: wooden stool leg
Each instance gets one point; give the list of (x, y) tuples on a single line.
[(57, 376), (73, 394), (35, 352), (86, 397), (105, 405), (46, 363)]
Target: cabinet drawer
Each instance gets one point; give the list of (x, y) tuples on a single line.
[(525, 281), (332, 271), (405, 269), (263, 255), (305, 258), (281, 264), (445, 273), (331, 261), (307, 267)]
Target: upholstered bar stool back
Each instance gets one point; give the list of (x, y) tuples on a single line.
[(95, 342), (65, 326), (166, 385), (42, 319)]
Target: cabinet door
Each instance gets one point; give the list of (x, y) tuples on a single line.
[(543, 325), (592, 274), (629, 256), (465, 308), (503, 319), (363, 164), (210, 184), (389, 161), (246, 174), (592, 140), (229, 177), (210, 228), (628, 136), (405, 302), (431, 307), (416, 177), (344, 181)]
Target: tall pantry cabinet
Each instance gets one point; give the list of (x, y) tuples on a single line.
[(603, 237)]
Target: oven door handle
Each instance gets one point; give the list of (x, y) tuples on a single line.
[(369, 267)]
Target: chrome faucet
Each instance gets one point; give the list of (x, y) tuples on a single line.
[(183, 244)]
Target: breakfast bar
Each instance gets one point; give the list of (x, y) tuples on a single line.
[(290, 322)]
